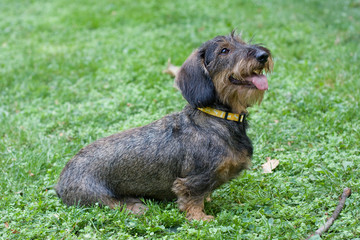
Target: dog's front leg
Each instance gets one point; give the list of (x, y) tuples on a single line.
[(191, 199)]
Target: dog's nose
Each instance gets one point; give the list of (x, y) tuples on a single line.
[(261, 56)]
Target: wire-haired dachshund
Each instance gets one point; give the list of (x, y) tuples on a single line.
[(184, 155)]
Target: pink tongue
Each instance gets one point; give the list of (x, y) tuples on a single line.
[(260, 81)]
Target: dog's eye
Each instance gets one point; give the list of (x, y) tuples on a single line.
[(224, 51)]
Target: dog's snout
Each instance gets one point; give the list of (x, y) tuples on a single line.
[(261, 56)]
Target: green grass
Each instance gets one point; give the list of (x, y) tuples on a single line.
[(74, 71)]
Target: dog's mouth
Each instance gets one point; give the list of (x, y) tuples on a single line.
[(256, 80)]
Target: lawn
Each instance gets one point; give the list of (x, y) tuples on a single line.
[(75, 71)]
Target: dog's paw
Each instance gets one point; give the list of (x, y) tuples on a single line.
[(199, 217), (207, 218), (137, 208)]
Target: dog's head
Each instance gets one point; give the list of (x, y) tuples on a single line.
[(227, 70)]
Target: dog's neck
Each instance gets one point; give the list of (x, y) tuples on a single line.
[(240, 109)]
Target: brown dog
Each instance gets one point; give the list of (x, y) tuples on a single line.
[(184, 155)]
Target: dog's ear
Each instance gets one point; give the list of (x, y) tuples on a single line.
[(194, 81)]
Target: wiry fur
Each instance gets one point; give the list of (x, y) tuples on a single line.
[(184, 155)]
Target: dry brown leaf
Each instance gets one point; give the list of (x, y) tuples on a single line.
[(270, 165), (171, 69)]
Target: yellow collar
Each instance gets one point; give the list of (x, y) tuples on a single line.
[(225, 115)]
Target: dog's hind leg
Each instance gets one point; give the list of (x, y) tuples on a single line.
[(84, 193), (89, 192)]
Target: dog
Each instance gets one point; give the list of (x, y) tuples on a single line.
[(184, 155)]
